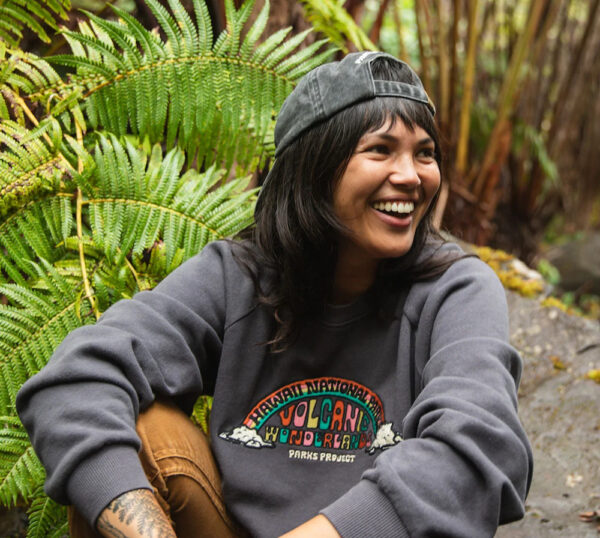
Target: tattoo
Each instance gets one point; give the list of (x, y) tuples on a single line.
[(109, 530), (136, 509)]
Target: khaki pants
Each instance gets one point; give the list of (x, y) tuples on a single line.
[(178, 462)]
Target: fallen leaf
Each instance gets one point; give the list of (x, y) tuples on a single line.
[(588, 517), (557, 363)]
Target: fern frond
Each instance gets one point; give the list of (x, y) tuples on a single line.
[(330, 18), (135, 201), (21, 473), (45, 516), (34, 14), (36, 231), (201, 412), (215, 102), (34, 322), (22, 75), (30, 162)]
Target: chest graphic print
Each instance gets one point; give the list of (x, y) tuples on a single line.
[(322, 413)]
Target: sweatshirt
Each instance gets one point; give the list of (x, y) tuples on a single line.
[(390, 426)]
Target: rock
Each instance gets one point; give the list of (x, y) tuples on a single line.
[(579, 264), (560, 412)]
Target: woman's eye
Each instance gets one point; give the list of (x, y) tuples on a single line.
[(427, 153), (378, 148)]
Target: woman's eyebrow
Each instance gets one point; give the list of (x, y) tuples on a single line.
[(374, 135), (391, 138), (426, 140)]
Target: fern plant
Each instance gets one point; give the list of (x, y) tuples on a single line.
[(331, 19), (114, 173), (36, 15)]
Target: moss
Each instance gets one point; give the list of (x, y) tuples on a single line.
[(587, 306), (555, 302), (488, 254), (510, 278), (590, 307)]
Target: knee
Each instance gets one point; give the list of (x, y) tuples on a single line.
[(172, 444), (197, 509)]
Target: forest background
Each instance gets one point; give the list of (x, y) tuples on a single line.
[(516, 84)]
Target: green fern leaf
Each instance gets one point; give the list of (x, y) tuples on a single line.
[(16, 14), (30, 163), (216, 103), (21, 473), (22, 73), (330, 18), (201, 412), (34, 322), (158, 202), (45, 516)]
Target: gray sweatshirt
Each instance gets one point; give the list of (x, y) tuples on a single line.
[(391, 426)]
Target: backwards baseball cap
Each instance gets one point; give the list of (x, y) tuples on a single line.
[(331, 87)]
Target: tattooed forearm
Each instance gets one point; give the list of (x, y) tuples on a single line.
[(135, 514)]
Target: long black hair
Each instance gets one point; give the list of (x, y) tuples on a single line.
[(296, 230)]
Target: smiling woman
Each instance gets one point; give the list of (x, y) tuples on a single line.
[(362, 377)]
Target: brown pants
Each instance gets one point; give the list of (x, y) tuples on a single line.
[(178, 462)]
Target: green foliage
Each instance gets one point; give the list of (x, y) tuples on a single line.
[(201, 412), (46, 518), (331, 19), (526, 133), (15, 15), (29, 164), (19, 466), (214, 101), (113, 174), (550, 273), (155, 201)]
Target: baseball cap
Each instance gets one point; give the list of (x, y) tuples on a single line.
[(331, 87)]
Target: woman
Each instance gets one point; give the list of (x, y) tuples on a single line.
[(363, 384)]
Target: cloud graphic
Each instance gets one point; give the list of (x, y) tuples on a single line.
[(247, 437), (386, 437)]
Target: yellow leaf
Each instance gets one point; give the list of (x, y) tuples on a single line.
[(594, 375)]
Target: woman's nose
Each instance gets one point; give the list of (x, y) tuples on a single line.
[(403, 173)]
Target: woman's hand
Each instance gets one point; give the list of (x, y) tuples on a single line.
[(135, 514), (317, 527)]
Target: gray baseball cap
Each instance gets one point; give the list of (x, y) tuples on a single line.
[(331, 87)]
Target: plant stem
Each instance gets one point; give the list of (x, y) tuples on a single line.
[(86, 283)]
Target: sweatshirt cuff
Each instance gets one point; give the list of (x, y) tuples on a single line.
[(104, 476), (365, 512)]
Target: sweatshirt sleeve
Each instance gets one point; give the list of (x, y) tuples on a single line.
[(465, 464), (80, 410)]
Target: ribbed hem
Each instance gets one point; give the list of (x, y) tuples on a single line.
[(364, 512), (103, 477)]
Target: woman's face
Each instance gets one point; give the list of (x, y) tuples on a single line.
[(385, 192)]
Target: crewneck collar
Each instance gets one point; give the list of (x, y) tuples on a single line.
[(336, 315)]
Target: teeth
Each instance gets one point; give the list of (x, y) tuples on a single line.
[(396, 207)]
